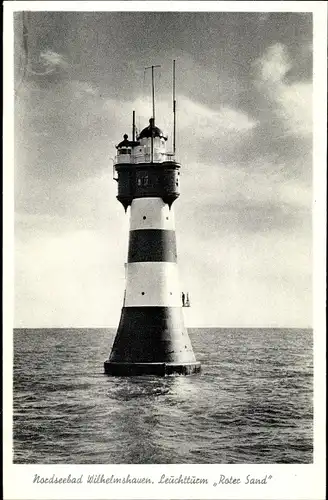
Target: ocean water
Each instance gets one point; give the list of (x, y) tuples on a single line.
[(251, 404)]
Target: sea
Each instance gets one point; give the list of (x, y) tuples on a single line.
[(251, 404)]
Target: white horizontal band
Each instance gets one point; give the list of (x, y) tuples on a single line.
[(152, 284), (151, 213)]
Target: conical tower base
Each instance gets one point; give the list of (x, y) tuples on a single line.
[(151, 341)]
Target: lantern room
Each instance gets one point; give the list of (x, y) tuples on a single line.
[(143, 168), (149, 147)]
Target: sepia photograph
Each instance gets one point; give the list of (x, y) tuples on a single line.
[(163, 238)]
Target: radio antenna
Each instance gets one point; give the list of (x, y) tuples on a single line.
[(133, 126), (153, 100), (174, 108), (153, 87)]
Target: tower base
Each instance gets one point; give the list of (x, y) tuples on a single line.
[(159, 369)]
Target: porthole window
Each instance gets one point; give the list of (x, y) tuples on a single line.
[(142, 293), (144, 217)]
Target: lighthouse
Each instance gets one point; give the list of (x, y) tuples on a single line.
[(151, 338)]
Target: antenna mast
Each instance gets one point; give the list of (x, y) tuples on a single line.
[(153, 91), (174, 108), (133, 126), (153, 87), (153, 100)]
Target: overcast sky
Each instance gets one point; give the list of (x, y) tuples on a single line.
[(244, 90)]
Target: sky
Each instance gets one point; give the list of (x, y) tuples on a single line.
[(244, 140)]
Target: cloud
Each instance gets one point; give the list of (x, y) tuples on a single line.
[(83, 89), (205, 121), (292, 102), (192, 116), (54, 58), (69, 264), (246, 274), (274, 64), (229, 200), (295, 103), (67, 279)]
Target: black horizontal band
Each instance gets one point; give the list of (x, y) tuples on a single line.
[(122, 369), (151, 335), (152, 245)]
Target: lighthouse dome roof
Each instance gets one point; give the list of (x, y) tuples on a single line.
[(151, 131), (126, 143)]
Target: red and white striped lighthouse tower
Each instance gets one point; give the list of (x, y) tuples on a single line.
[(151, 336)]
